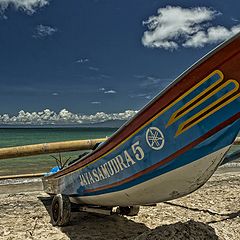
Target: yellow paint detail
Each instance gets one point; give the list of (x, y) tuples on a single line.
[(182, 127), (175, 115)]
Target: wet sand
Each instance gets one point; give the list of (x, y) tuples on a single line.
[(212, 212)]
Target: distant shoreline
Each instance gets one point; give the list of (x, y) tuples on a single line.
[(111, 124)]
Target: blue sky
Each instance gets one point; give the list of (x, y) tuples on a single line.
[(91, 56)]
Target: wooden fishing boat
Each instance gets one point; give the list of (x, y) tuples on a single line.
[(169, 149)]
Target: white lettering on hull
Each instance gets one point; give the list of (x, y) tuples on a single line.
[(113, 166)]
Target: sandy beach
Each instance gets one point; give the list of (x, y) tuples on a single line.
[(212, 212)]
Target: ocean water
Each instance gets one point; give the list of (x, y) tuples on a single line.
[(10, 137), (43, 163)]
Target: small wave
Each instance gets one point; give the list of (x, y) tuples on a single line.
[(19, 181), (231, 165)]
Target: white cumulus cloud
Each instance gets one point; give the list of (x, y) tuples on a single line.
[(93, 68), (212, 35), (110, 92), (82, 60), (43, 31), (49, 117), (96, 102), (28, 6), (174, 26)]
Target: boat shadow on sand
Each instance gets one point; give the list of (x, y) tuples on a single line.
[(93, 226)]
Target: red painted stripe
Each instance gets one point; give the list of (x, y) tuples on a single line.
[(171, 157)]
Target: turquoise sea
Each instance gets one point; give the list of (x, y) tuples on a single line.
[(43, 163), (10, 137)]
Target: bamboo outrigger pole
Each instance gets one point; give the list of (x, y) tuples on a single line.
[(55, 147), (46, 148), (28, 175)]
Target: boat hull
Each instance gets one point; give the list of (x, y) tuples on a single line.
[(171, 147), (168, 186)]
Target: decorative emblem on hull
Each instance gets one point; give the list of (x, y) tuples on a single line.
[(155, 138), (205, 98)]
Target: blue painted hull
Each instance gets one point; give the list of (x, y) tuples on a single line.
[(171, 136)]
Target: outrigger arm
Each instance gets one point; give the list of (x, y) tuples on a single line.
[(47, 148)]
